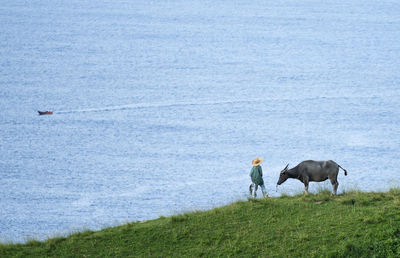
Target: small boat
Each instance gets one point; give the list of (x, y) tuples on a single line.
[(45, 112)]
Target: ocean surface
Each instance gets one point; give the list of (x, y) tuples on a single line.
[(160, 106)]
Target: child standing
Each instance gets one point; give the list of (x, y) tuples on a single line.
[(257, 178)]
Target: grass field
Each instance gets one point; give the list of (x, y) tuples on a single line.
[(354, 224)]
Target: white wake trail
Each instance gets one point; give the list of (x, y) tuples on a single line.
[(151, 105)]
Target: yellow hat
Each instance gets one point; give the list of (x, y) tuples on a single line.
[(257, 161)]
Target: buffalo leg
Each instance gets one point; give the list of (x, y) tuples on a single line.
[(306, 186), (335, 185)]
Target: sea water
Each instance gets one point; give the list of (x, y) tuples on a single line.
[(160, 106)]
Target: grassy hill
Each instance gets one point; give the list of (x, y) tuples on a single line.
[(354, 224)]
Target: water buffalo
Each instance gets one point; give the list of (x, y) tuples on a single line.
[(310, 170)]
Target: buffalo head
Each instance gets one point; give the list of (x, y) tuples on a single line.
[(283, 176)]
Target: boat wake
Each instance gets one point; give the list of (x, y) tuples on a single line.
[(185, 104), (151, 105)]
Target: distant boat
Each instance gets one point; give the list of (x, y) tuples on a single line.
[(45, 112)]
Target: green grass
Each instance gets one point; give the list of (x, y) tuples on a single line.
[(354, 224)]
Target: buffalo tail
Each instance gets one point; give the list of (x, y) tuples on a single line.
[(345, 171)]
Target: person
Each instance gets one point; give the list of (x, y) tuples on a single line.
[(257, 178)]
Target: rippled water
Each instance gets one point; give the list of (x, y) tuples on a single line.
[(160, 106)]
